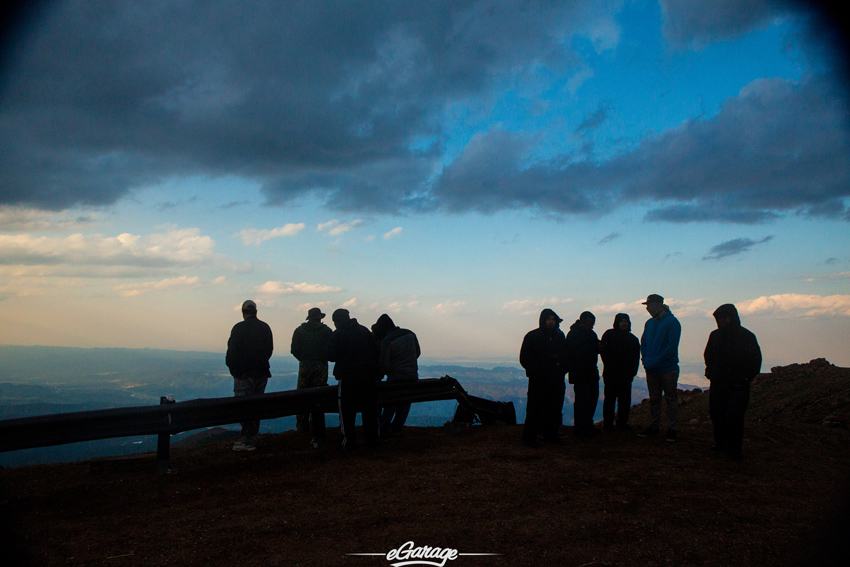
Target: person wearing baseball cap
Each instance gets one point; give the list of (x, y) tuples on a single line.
[(248, 352), (308, 347), (659, 349)]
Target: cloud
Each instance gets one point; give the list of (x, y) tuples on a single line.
[(611, 237), (183, 247), (734, 247), (807, 305), (22, 219), (776, 147), (335, 228), (694, 22), (530, 306), (447, 307), (305, 307), (394, 233), (134, 290), (312, 100), (280, 288), (257, 237), (594, 121), (351, 303)]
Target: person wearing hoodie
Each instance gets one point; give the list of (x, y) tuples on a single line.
[(353, 351), (308, 347), (732, 360), (582, 348), (659, 348), (398, 352), (620, 351), (540, 356)]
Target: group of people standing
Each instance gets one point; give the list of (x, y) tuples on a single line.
[(361, 359), (732, 359)]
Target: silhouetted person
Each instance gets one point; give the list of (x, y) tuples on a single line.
[(353, 350), (248, 352), (659, 348), (732, 360), (620, 351), (399, 350), (308, 347), (540, 356), (582, 347)]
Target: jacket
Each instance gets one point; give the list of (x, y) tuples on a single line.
[(354, 351), (582, 354), (732, 355), (308, 341), (249, 349), (659, 344), (399, 351), (620, 352), (542, 350)]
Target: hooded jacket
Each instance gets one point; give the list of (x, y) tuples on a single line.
[(542, 350), (308, 341), (732, 355), (620, 351), (659, 344), (582, 353), (399, 350)]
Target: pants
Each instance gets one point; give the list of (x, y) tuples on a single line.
[(249, 387), (618, 393), (358, 394), (663, 383), (587, 397), (393, 417), (543, 410), (312, 374), (727, 407)]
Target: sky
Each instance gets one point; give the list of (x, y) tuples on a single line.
[(459, 165)]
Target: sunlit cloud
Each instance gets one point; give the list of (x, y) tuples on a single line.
[(351, 303), (394, 307), (529, 305), (305, 307), (793, 303), (173, 248), (393, 233), (448, 307), (23, 219), (182, 283), (256, 237), (279, 288), (335, 228)]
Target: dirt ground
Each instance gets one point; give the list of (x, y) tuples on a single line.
[(616, 499)]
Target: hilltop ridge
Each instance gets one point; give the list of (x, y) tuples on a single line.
[(613, 500)]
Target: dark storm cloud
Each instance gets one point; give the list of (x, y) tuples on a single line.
[(776, 147), (733, 247), (306, 97)]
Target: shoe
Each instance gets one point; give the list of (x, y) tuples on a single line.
[(671, 435), (318, 444), (650, 431), (531, 443), (625, 427), (718, 448), (608, 426), (240, 446), (555, 440)]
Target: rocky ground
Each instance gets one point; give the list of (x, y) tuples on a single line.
[(615, 499)]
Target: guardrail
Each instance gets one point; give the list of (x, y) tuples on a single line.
[(171, 417)]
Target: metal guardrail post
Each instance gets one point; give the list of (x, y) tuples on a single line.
[(163, 442)]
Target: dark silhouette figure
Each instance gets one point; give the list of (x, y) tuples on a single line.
[(353, 350), (582, 347), (620, 351), (732, 360), (541, 356), (399, 350), (659, 349), (308, 347), (248, 352)]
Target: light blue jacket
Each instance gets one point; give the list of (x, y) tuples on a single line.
[(659, 344)]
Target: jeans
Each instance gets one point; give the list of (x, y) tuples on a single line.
[(312, 374), (249, 387), (663, 383)]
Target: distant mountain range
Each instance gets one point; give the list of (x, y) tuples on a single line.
[(39, 380)]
